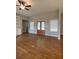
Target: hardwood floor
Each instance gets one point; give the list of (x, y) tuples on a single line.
[(30, 46)]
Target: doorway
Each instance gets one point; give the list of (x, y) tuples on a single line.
[(40, 28), (25, 26)]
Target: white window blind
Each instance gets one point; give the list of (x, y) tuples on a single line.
[(54, 25), (31, 25)]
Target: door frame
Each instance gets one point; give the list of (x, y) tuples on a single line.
[(23, 26), (40, 31)]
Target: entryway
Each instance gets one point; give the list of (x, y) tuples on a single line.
[(25, 26), (40, 28)]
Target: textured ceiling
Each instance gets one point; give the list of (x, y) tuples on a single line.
[(40, 7)]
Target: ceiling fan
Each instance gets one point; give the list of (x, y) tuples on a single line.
[(23, 5)]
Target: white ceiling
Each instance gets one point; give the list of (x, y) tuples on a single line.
[(40, 7)]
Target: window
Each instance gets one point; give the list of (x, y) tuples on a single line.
[(31, 25), (41, 25), (53, 25)]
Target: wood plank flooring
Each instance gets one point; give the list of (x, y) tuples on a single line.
[(29, 46)]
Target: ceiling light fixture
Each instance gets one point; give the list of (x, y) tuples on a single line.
[(23, 5)]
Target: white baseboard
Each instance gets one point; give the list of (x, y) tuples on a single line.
[(58, 38)]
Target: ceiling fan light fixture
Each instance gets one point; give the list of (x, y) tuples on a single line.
[(22, 7)]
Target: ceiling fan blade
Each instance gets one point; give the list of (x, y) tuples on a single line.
[(22, 2), (19, 1), (20, 9), (17, 5), (28, 6), (27, 9)]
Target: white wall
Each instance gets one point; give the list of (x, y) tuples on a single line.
[(47, 18), (18, 25), (44, 17)]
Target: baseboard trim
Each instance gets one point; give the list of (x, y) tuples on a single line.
[(17, 36)]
